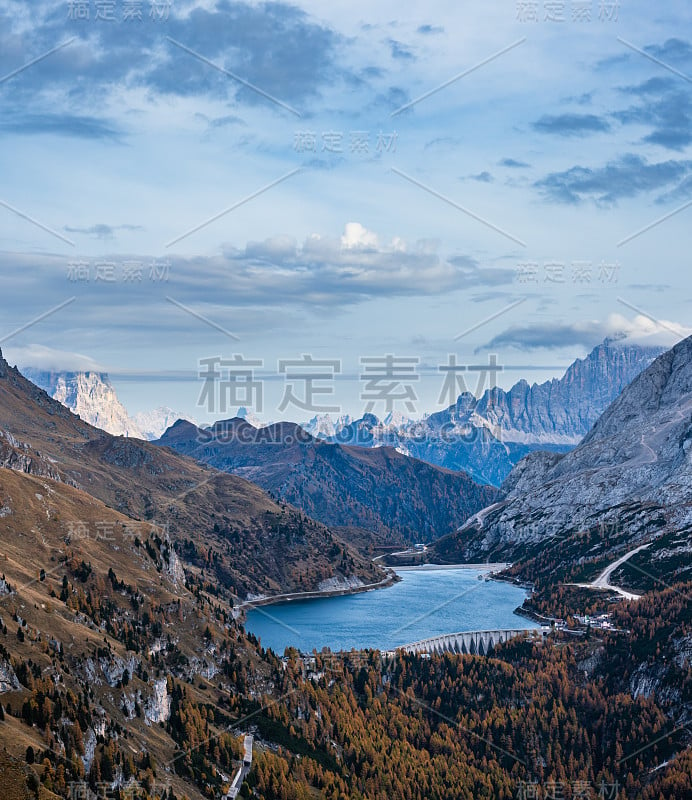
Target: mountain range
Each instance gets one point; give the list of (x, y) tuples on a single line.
[(484, 436), (125, 668), (487, 436), (398, 498)]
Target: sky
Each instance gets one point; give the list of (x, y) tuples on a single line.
[(261, 192)]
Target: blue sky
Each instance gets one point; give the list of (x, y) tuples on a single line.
[(342, 181)]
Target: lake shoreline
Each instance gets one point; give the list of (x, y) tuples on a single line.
[(417, 606), (290, 597), (390, 580)]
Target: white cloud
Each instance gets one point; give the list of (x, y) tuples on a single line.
[(356, 237), (643, 330), (46, 358), (588, 333)]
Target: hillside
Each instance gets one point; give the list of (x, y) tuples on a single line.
[(99, 620), (251, 545), (396, 497), (117, 677)]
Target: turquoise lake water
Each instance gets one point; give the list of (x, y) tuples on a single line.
[(424, 603)]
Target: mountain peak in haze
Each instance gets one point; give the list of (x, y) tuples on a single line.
[(90, 395), (248, 416), (154, 423)]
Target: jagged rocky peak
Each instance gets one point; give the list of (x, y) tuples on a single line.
[(90, 395), (487, 435), (562, 410)]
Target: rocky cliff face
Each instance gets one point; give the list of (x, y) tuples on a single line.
[(91, 396), (21, 458), (562, 411), (635, 464)]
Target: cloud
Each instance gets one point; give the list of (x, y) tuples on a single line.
[(513, 163), (485, 297), (650, 287), (628, 176), (50, 360), (675, 52), (482, 177), (276, 46), (357, 237), (103, 231), (81, 127), (667, 110), (571, 124), (276, 248), (683, 191), (427, 30), (392, 99), (589, 333), (651, 86), (400, 51), (672, 50), (225, 121), (581, 99), (256, 286), (443, 143)]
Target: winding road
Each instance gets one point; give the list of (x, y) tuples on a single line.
[(603, 580)]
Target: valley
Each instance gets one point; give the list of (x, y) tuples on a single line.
[(156, 609), (345, 400)]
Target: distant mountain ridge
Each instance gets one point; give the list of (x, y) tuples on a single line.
[(92, 396), (154, 423), (487, 436), (380, 490), (260, 547), (484, 437)]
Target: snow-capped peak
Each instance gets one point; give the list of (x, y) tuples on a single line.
[(154, 423)]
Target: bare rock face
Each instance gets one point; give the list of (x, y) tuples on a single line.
[(562, 411), (638, 455), (19, 456), (91, 396), (8, 680), (531, 472)]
